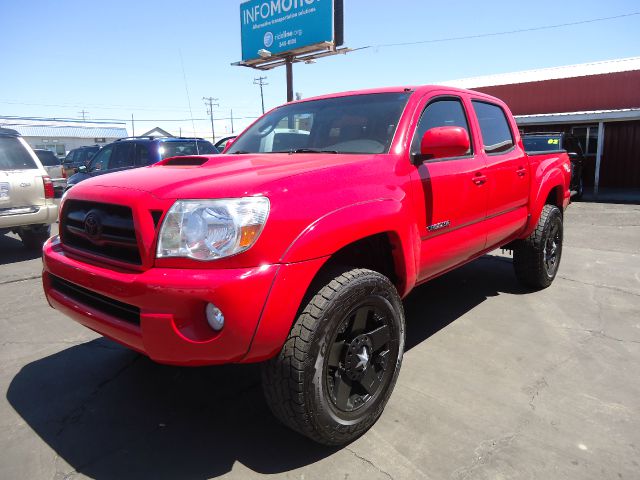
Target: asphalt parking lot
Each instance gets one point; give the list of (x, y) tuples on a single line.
[(497, 382)]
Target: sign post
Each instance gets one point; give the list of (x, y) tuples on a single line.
[(283, 32)]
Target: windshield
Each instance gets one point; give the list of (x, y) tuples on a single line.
[(352, 124), (180, 148), (542, 143), (14, 156)]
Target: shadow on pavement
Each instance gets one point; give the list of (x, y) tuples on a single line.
[(111, 413), (12, 250)]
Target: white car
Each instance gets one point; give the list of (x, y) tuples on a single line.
[(27, 204)]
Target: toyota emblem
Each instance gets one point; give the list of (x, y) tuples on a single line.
[(92, 225)]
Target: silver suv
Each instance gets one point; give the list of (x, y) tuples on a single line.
[(26, 192)]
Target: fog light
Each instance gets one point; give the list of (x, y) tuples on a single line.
[(215, 318)]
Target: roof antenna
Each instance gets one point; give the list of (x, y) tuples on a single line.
[(186, 88)]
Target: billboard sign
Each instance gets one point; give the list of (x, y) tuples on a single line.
[(286, 26)]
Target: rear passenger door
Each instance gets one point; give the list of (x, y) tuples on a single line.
[(450, 194), (507, 171)]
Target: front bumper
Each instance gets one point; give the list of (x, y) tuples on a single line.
[(171, 325)]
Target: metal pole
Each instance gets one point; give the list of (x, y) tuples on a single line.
[(133, 126), (213, 132), (232, 129), (598, 157), (209, 102), (260, 81), (289, 64)]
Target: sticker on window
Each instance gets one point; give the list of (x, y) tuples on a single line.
[(553, 141)]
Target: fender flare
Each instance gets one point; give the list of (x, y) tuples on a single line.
[(355, 222), (552, 179)]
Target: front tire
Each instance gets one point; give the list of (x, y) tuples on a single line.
[(340, 362), (33, 238), (536, 259)]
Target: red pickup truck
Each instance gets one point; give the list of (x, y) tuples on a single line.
[(295, 247)]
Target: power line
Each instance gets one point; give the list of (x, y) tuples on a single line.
[(495, 34)]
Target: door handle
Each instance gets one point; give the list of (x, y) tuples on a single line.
[(521, 171), (479, 178)]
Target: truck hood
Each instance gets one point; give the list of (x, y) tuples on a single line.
[(218, 176)]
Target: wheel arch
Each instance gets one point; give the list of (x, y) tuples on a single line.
[(362, 236)]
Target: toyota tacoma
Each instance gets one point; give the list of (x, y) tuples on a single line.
[(295, 247)]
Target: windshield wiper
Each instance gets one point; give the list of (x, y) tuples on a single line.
[(311, 150), (240, 152)]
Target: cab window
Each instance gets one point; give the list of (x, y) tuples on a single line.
[(445, 112), (496, 134)]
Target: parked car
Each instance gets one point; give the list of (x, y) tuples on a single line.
[(536, 142), (134, 152), (26, 192), (222, 143), (296, 251), (53, 165), (78, 157)]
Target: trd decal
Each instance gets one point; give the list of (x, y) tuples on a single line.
[(438, 226)]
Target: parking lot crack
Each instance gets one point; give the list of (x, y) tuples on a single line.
[(602, 334), (599, 285), (369, 462), (76, 414), (537, 387), (23, 279), (483, 454)]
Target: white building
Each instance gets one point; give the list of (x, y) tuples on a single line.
[(60, 136)]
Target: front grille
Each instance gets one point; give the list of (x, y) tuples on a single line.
[(101, 229), (121, 311)]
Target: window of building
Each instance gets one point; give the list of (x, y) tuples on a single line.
[(587, 137), (446, 112), (496, 134)]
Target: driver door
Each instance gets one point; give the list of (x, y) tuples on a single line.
[(450, 194)]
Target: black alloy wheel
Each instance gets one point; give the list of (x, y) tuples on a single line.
[(357, 366), (552, 247)]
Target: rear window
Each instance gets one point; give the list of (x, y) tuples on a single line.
[(541, 143), (186, 147), (48, 159), (14, 156)]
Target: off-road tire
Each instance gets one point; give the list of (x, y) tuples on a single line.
[(580, 191), (295, 383), (33, 238), (531, 256)]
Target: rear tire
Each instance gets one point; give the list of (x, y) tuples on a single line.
[(33, 238), (580, 192), (536, 259), (340, 362)]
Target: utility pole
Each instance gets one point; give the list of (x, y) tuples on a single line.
[(208, 101), (232, 130), (261, 81), (133, 126), (83, 113)]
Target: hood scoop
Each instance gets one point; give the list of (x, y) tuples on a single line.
[(183, 162)]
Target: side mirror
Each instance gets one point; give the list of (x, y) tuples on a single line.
[(82, 169), (444, 142), (227, 145)]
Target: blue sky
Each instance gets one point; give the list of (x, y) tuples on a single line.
[(118, 58)]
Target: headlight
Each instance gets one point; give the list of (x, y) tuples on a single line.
[(211, 229)]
